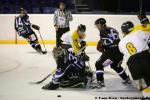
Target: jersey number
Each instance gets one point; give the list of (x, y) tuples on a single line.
[(131, 49), (20, 22), (73, 58)]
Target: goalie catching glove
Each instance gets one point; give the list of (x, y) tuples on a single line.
[(36, 27)]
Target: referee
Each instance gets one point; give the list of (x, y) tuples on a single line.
[(61, 21)]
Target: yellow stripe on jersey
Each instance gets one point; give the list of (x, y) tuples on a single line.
[(147, 90), (141, 27), (75, 44)]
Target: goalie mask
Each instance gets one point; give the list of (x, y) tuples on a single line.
[(57, 52)]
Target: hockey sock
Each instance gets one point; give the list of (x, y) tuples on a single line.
[(121, 72)]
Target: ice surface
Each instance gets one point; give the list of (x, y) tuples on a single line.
[(20, 65)]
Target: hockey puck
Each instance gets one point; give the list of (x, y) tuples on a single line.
[(58, 95)]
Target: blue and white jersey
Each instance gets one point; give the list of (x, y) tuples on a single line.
[(68, 63), (109, 37), (70, 58), (23, 25)]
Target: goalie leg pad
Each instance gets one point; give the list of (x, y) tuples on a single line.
[(76, 80), (51, 86)]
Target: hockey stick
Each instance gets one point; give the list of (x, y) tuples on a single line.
[(42, 41), (38, 82), (141, 6), (80, 51)]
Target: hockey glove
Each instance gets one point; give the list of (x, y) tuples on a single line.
[(85, 57), (36, 27), (83, 44)]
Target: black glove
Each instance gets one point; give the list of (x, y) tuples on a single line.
[(36, 27), (83, 44), (85, 57)]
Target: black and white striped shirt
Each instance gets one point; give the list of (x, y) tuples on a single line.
[(62, 18)]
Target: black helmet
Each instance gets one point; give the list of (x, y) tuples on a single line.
[(82, 28), (142, 17), (101, 21), (127, 27)]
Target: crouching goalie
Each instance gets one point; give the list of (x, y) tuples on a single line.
[(71, 70)]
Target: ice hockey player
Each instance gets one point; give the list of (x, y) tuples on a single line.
[(71, 70), (24, 29), (108, 45), (134, 45), (75, 39)]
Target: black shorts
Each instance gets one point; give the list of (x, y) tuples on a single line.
[(139, 65), (31, 37)]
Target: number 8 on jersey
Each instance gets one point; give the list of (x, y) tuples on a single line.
[(131, 49)]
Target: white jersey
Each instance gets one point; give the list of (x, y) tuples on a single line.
[(134, 42), (67, 38)]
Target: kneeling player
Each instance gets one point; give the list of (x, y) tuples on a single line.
[(135, 46), (23, 27), (71, 70)]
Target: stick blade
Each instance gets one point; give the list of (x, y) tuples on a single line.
[(44, 52), (35, 82)]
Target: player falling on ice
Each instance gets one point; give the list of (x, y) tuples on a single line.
[(24, 29), (134, 45), (108, 45), (71, 70)]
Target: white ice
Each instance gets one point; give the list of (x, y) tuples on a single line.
[(20, 65)]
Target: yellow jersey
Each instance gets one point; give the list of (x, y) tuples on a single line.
[(76, 42)]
